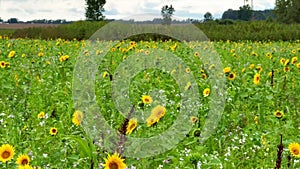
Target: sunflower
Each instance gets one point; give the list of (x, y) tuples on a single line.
[(131, 125), (259, 68), (105, 74), (6, 152), (251, 66), (114, 162), (256, 78), (2, 64), (27, 167), (151, 120), (232, 50), (41, 115), (295, 149), (206, 92), (282, 60), (158, 111), (187, 86), (286, 69), (270, 74), (53, 131), (298, 65), (232, 76), (77, 117), (11, 54), (294, 51), (23, 159), (294, 60), (187, 70), (40, 54), (286, 62), (204, 76), (278, 114), (269, 55), (196, 54), (226, 70), (23, 55), (147, 99), (193, 119)]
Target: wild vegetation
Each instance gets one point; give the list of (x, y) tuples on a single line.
[(41, 125)]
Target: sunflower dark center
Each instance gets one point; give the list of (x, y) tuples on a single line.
[(132, 126), (5, 154), (2, 63), (231, 75), (278, 114), (296, 151), (53, 130), (113, 165), (146, 100), (24, 161)]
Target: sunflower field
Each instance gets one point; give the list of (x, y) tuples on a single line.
[(42, 127)]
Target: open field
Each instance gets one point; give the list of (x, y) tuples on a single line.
[(25, 25), (40, 103)]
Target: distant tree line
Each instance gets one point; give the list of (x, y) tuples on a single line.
[(37, 21)]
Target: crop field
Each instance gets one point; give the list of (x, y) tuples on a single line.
[(60, 108)]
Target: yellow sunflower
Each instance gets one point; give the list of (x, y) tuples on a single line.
[(256, 79), (204, 76), (295, 149), (196, 54), (270, 74), (53, 131), (41, 115), (11, 54), (187, 86), (147, 99), (23, 159), (232, 76), (40, 54), (6, 152), (2, 64), (279, 114), (251, 66), (27, 167), (193, 119), (294, 60), (226, 70), (151, 120), (77, 117), (114, 162), (286, 69), (259, 68), (282, 60), (298, 65), (206, 92), (286, 62), (187, 70), (105, 74), (131, 125), (158, 111)]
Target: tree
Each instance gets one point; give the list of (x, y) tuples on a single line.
[(167, 12), (245, 13), (287, 11), (208, 16), (94, 10)]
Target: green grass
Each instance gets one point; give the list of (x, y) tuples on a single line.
[(246, 136)]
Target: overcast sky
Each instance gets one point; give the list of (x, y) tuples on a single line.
[(73, 10)]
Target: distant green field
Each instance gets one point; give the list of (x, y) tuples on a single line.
[(261, 102)]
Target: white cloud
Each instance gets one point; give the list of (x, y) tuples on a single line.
[(117, 9)]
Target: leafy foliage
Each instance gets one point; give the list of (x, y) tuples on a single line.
[(95, 9)]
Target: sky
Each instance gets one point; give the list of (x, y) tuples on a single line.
[(73, 10)]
